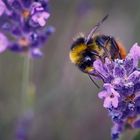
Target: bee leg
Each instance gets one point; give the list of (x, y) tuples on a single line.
[(113, 42), (105, 48), (91, 78)]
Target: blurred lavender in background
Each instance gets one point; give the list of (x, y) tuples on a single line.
[(24, 22), (23, 30), (66, 106), (24, 125)]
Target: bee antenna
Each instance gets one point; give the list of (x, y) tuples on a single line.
[(96, 27), (93, 81)]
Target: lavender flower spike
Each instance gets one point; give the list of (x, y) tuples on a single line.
[(121, 90)]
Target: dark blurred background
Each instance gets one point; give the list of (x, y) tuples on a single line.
[(66, 105)]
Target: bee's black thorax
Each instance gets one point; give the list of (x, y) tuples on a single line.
[(109, 44)]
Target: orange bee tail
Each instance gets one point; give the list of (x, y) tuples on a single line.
[(122, 50)]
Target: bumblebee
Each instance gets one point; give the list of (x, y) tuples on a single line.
[(85, 50)]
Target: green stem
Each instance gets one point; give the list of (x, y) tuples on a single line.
[(25, 83)]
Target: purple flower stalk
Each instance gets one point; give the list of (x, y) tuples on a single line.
[(121, 90), (23, 26)]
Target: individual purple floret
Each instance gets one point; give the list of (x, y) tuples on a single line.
[(110, 96), (3, 42), (38, 14), (121, 90), (23, 26)]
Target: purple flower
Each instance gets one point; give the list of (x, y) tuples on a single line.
[(36, 52), (40, 18), (24, 125), (119, 70), (135, 53), (38, 14), (3, 8), (110, 96), (25, 23), (116, 130), (3, 42), (121, 90)]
